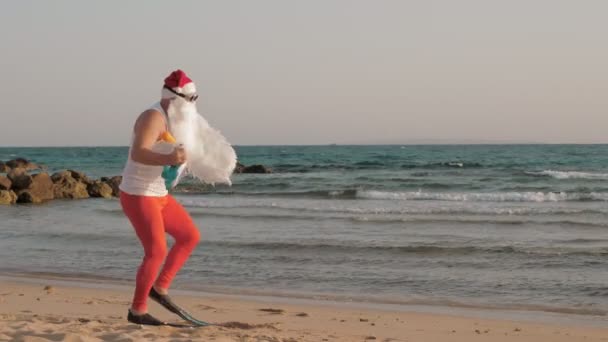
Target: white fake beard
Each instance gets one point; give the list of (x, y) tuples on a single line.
[(209, 156)]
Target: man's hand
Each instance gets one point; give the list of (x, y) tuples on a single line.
[(178, 156)]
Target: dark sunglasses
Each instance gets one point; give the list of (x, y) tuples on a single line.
[(190, 98)]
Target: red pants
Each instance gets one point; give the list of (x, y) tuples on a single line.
[(152, 217)]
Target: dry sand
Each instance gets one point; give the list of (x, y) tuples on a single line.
[(30, 310)]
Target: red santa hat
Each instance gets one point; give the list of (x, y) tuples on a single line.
[(178, 83)]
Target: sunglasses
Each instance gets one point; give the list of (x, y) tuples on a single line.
[(190, 98)]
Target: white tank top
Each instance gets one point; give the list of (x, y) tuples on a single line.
[(146, 180)]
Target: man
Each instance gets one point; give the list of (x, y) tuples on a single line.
[(145, 199)]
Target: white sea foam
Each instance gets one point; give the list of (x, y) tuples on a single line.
[(394, 207), (569, 174), (484, 197)]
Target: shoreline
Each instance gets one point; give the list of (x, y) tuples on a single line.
[(33, 309), (532, 314)]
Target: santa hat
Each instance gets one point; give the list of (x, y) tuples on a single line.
[(180, 83)]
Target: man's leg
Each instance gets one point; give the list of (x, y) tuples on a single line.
[(145, 214), (180, 225)]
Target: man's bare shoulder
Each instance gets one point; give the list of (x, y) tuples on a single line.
[(150, 117), (151, 114)]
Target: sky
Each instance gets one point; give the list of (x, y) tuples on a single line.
[(273, 72)]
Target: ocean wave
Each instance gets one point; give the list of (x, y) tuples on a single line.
[(457, 164), (426, 250), (479, 221), (76, 238), (468, 210), (318, 194), (482, 196), (568, 174), (372, 165), (442, 165), (383, 218), (358, 194)]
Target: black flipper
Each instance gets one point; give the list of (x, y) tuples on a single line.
[(145, 319), (166, 302), (180, 325)]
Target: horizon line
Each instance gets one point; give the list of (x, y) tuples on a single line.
[(346, 144)]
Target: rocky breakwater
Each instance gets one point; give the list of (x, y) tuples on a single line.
[(22, 181), (25, 182)]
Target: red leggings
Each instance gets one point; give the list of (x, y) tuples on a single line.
[(152, 217)]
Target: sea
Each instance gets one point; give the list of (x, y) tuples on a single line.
[(514, 227)]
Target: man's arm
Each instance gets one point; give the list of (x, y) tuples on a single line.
[(148, 127)]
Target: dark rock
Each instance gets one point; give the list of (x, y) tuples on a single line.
[(4, 168), (24, 196), (114, 183), (5, 183), (7, 197), (57, 176), (239, 168), (65, 186), (22, 163), (257, 169), (20, 179), (15, 163), (99, 189), (80, 176)]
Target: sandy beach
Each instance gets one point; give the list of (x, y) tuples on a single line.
[(34, 309)]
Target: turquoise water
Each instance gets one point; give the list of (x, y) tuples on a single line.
[(576, 170), (522, 226)]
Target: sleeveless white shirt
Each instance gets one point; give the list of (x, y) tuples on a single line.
[(146, 180)]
